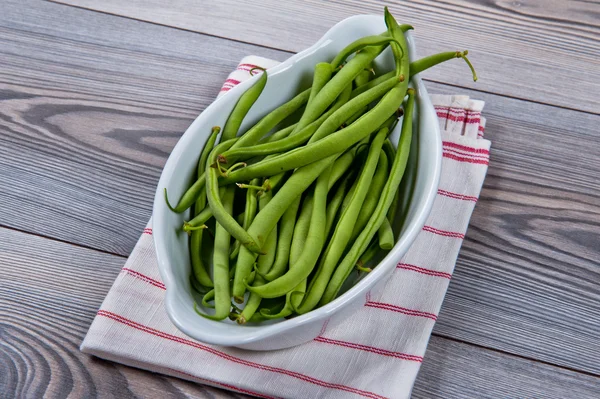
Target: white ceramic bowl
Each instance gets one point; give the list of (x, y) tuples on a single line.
[(285, 80)]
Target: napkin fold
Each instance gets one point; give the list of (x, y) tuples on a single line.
[(376, 353)]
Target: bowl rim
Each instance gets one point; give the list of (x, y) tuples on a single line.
[(260, 332)]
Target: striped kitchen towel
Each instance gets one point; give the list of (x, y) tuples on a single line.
[(375, 354)]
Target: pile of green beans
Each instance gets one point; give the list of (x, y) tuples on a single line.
[(306, 197)]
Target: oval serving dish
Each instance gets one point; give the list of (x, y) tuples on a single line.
[(284, 81)]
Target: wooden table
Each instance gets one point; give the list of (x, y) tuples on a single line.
[(93, 96)]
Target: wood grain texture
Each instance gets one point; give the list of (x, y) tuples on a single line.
[(50, 291), (458, 371), (528, 269), (49, 294), (543, 51), (89, 114)]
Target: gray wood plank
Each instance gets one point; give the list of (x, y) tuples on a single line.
[(50, 291), (90, 111), (458, 371), (544, 51), (49, 294), (529, 268)]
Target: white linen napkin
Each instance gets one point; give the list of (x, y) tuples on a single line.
[(374, 354)]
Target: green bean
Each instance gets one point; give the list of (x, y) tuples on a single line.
[(341, 166), (249, 213), (291, 299), (361, 243), (370, 202), (278, 135), (286, 231), (286, 311), (345, 200), (341, 100), (343, 230), (242, 107), (198, 220), (249, 138), (189, 197), (334, 205), (285, 144), (422, 64), (264, 263), (391, 215), (400, 47), (192, 194), (198, 268), (389, 149), (206, 298), (357, 45), (343, 163), (334, 87), (322, 75), (304, 176), (386, 235), (210, 143), (360, 147), (200, 289), (269, 121), (369, 85), (349, 109), (356, 115), (398, 167), (364, 76), (268, 306), (367, 256), (394, 31), (266, 219), (301, 229), (315, 240), (325, 143), (348, 197), (223, 217), (240, 218), (221, 263), (416, 67)]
